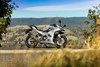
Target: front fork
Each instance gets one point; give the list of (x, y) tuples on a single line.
[(58, 35)]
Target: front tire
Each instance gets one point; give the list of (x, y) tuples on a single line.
[(61, 41)]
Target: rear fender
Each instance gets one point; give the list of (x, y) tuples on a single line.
[(28, 31)]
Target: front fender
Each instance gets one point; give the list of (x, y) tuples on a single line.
[(62, 34)]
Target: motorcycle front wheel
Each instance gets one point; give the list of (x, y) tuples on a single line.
[(61, 41), (30, 41)]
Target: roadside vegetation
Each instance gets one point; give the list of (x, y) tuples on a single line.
[(6, 7), (90, 32), (61, 58)]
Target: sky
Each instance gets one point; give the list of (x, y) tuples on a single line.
[(53, 8)]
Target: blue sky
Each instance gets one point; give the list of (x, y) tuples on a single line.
[(53, 8)]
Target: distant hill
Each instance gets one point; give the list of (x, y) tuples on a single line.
[(70, 22)]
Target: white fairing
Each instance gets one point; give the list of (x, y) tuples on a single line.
[(49, 34), (46, 27), (41, 32), (52, 34)]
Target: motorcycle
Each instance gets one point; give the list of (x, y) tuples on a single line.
[(52, 34)]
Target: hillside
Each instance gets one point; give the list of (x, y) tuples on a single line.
[(70, 22)]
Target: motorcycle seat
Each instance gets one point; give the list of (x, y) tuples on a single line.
[(39, 29)]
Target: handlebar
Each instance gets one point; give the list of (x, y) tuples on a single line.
[(56, 25)]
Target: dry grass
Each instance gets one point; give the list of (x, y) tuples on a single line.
[(60, 58), (93, 43)]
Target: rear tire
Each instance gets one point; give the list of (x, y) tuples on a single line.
[(30, 42)]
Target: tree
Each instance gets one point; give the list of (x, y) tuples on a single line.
[(93, 14), (6, 7), (92, 40)]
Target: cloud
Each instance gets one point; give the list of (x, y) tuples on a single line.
[(73, 6)]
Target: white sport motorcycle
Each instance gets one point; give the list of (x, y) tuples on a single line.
[(51, 34)]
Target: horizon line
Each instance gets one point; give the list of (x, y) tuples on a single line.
[(48, 17)]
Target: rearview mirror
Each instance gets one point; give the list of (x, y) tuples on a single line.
[(60, 21), (64, 26)]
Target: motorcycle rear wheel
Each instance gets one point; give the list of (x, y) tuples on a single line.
[(30, 41)]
